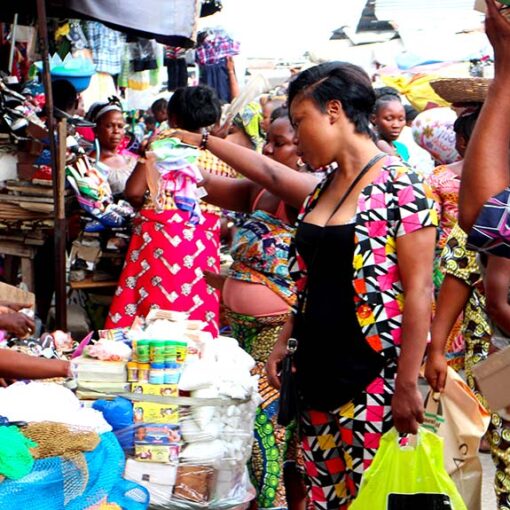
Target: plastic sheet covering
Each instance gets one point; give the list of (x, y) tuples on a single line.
[(195, 455), (58, 484)]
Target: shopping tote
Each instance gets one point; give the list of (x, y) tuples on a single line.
[(410, 477)]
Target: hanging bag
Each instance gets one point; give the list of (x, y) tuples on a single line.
[(410, 477), (457, 416)]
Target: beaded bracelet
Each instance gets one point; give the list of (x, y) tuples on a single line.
[(203, 142)]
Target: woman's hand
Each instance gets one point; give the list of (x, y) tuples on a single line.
[(17, 324), (436, 370), (407, 408), (274, 362), (186, 136), (497, 27)]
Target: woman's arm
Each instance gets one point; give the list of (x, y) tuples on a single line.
[(486, 170), (232, 78), (416, 276), (15, 365), (452, 299), (136, 185), (229, 193), (292, 187), (497, 285)]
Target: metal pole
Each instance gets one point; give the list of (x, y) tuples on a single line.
[(13, 43), (58, 177)]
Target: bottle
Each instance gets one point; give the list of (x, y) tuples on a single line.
[(157, 373), (132, 371), (143, 351), (143, 372), (157, 351)]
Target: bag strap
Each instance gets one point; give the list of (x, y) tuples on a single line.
[(354, 183), (339, 204)]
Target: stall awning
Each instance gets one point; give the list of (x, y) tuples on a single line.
[(168, 21)]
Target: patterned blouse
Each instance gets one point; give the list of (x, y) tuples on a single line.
[(445, 184), (397, 203), (491, 232), (462, 263)]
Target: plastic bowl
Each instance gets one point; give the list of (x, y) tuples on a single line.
[(80, 83)]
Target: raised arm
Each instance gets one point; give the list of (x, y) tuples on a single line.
[(229, 193), (291, 187), (486, 170)]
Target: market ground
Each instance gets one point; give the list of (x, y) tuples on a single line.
[(488, 497)]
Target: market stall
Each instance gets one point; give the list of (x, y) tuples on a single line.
[(176, 25)]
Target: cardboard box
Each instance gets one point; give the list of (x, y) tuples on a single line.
[(157, 434), (163, 390), (167, 454), (492, 377), (158, 479), (149, 412)]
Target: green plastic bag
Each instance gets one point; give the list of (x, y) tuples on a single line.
[(408, 477)]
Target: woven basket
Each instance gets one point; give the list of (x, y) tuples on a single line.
[(461, 90)]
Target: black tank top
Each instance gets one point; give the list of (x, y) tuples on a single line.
[(333, 360)]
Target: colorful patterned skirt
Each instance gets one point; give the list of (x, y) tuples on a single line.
[(271, 447), (164, 269)]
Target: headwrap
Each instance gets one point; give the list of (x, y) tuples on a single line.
[(97, 110), (249, 121), (433, 131)]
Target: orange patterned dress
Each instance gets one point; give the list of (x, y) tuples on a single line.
[(446, 184)]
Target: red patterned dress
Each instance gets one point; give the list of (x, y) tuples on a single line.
[(167, 258)]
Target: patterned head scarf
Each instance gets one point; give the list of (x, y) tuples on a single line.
[(433, 131), (249, 121)]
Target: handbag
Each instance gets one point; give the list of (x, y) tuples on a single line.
[(457, 416), (289, 400)]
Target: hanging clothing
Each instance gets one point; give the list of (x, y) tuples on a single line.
[(215, 75), (215, 45), (107, 47), (177, 71)]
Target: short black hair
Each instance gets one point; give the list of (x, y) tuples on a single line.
[(278, 113), (342, 81), (411, 112), (193, 108), (465, 123), (64, 95), (386, 99), (386, 91), (160, 105)]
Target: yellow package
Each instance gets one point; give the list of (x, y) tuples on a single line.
[(163, 390), (149, 412), (417, 90), (157, 453)]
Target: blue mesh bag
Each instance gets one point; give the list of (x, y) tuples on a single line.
[(64, 484)]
